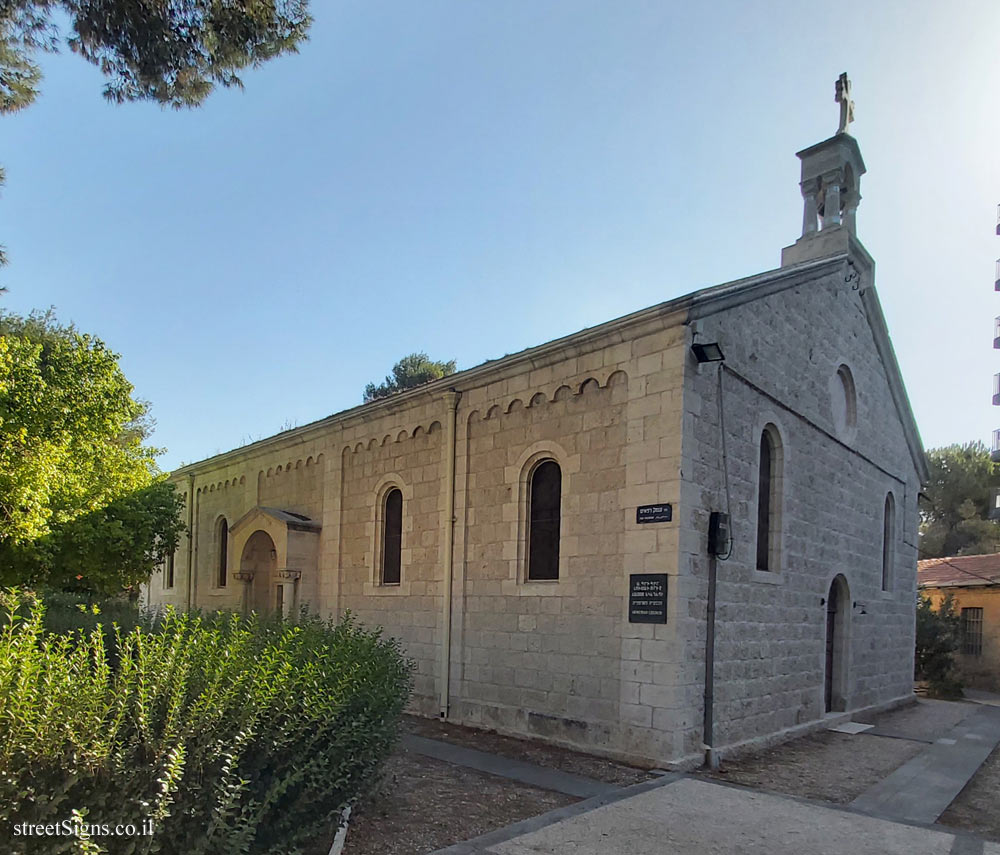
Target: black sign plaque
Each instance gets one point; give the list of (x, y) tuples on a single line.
[(647, 598), (654, 513)]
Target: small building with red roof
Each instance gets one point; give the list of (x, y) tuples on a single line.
[(974, 583)]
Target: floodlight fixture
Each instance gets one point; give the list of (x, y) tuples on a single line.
[(708, 352)]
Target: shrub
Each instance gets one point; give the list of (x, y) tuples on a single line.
[(233, 735), (937, 638), (69, 611)]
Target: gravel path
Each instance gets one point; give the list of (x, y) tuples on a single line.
[(549, 756), (837, 767), (427, 804), (976, 808)]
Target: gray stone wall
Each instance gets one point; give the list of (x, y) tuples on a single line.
[(781, 352)]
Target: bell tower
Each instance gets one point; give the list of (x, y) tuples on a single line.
[(831, 189)]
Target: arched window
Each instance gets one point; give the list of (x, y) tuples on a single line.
[(844, 403), (888, 540), (168, 572), (769, 499), (392, 536), (223, 534), (544, 505)]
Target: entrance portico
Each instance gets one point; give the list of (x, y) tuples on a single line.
[(278, 555)]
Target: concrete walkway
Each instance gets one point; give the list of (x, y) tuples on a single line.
[(681, 815), (921, 790), (688, 816), (977, 696)]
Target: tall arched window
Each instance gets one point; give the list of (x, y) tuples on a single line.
[(392, 536), (769, 499), (844, 403), (168, 572), (888, 540), (544, 506), (223, 534)]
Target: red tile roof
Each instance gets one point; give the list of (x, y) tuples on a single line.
[(959, 571)]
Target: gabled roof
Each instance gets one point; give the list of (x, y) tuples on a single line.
[(296, 522), (721, 297), (960, 571), (679, 310)]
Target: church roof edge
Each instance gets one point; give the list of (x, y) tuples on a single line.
[(471, 377)]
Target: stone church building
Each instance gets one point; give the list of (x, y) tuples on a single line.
[(691, 526)]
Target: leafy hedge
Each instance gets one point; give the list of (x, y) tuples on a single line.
[(233, 735), (67, 611), (937, 640)]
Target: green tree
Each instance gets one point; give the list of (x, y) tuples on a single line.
[(82, 502), (937, 637), (954, 515), (410, 371), (171, 51)]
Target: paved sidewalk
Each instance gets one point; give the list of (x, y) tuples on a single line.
[(682, 815), (977, 696), (922, 789), (689, 816)]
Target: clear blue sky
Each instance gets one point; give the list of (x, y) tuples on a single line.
[(473, 177)]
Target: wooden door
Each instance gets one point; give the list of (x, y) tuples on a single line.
[(831, 630)]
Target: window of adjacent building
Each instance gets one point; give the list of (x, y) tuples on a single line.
[(768, 499), (544, 506), (392, 536), (888, 539), (220, 579), (972, 632), (168, 572)]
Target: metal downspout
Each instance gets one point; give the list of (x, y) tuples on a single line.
[(451, 397), (191, 552), (708, 738)]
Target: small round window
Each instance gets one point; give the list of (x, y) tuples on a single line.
[(844, 402)]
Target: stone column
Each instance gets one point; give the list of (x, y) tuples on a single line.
[(810, 215), (851, 201)]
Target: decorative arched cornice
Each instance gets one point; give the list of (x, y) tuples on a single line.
[(555, 392), (385, 439)]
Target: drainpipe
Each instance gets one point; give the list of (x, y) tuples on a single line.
[(191, 552), (711, 758), (451, 398), (720, 548)]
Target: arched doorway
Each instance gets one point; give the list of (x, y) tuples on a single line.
[(260, 558), (838, 613)]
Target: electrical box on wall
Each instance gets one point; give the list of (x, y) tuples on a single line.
[(718, 533)]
